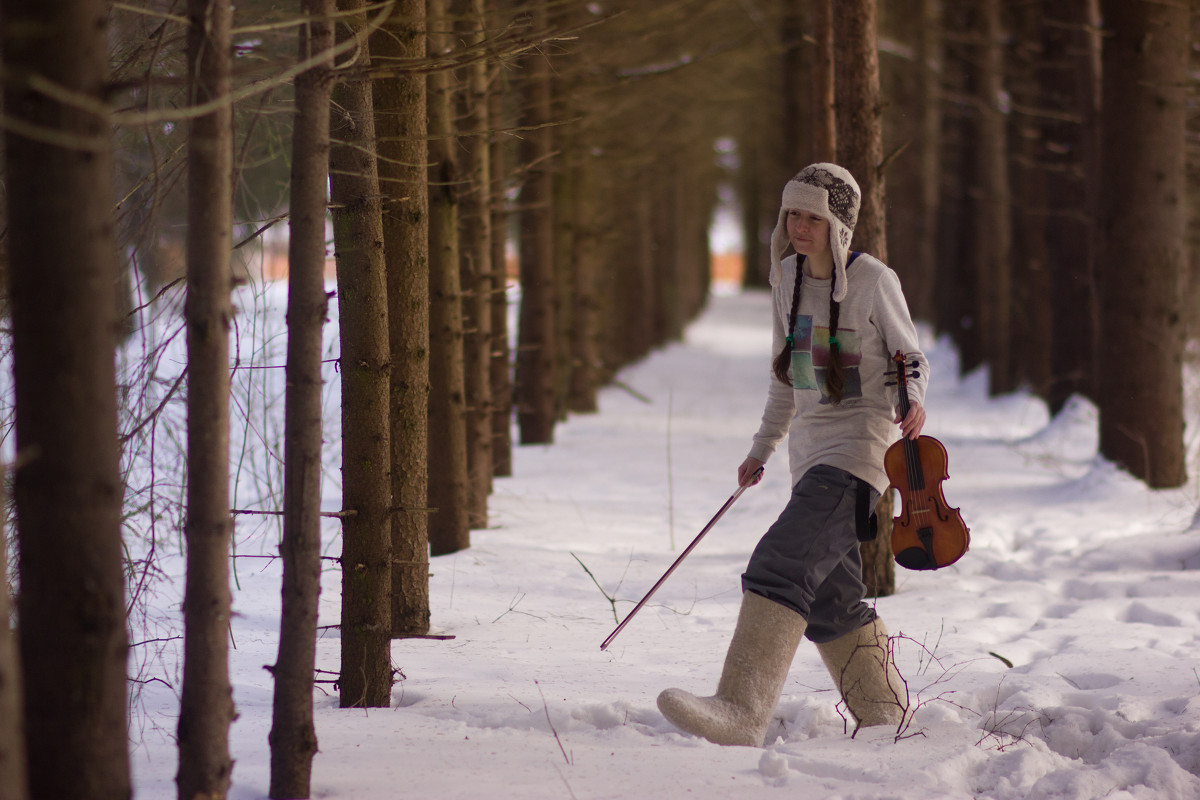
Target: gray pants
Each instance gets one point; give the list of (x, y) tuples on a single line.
[(808, 560)]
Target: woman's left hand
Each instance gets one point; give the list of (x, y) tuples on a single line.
[(912, 424)]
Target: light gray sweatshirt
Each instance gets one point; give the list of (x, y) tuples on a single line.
[(873, 324)]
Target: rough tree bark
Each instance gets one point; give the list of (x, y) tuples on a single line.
[(478, 277), (993, 247), (14, 777), (1144, 222), (206, 702), (366, 671), (68, 492), (588, 264), (825, 143), (860, 118), (500, 369), (293, 736), (860, 150), (400, 128), (537, 369), (1069, 79), (1031, 322), (920, 296), (449, 525)]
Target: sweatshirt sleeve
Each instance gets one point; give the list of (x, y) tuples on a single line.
[(894, 323), (777, 416)]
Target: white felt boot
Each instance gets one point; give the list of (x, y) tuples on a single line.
[(865, 672), (756, 667)]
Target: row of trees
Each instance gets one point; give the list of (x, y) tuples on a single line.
[(1023, 168), (1036, 158), (449, 121)]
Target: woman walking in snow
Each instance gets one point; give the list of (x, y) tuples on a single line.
[(838, 319)]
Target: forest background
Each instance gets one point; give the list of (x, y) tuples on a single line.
[(1025, 169)]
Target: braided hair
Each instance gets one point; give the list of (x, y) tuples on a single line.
[(835, 383)]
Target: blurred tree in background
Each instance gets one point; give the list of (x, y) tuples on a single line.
[(570, 158)]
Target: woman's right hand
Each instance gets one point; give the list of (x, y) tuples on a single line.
[(748, 472)]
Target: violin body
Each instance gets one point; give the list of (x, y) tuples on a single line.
[(927, 534)]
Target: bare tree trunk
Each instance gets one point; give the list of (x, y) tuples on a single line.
[(860, 118), (750, 196), (994, 210), (537, 368), (478, 276), (588, 263), (366, 671), (1032, 296), (61, 265), (860, 150), (1144, 223), (206, 703), (920, 292), (795, 71), (293, 736), (500, 369), (823, 82), (14, 778), (902, 79), (956, 290), (403, 154), (1069, 79), (449, 523)]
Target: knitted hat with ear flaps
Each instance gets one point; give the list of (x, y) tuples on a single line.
[(830, 192)]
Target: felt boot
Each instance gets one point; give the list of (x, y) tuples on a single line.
[(865, 673), (756, 667)]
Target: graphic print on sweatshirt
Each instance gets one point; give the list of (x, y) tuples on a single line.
[(810, 358)]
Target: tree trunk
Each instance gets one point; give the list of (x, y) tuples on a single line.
[(449, 523), (993, 247), (293, 737), (755, 258), (920, 292), (403, 154), (14, 777), (860, 150), (475, 220), (902, 79), (796, 101), (1030, 328), (588, 264), (825, 141), (500, 369), (1144, 220), (537, 369), (366, 672), (860, 118), (61, 266), (206, 702), (1069, 79)]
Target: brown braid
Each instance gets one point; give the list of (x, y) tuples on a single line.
[(782, 365), (835, 383)]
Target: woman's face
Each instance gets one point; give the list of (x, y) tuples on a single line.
[(808, 232)]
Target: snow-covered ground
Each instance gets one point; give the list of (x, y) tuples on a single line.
[(1057, 659)]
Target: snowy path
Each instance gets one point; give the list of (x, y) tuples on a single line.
[(1078, 576)]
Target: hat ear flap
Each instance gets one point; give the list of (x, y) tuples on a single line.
[(779, 244), (839, 246)]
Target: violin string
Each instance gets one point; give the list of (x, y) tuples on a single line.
[(912, 456)]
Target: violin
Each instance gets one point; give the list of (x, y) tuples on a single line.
[(927, 534)]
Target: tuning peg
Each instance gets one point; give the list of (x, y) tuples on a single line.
[(915, 375)]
